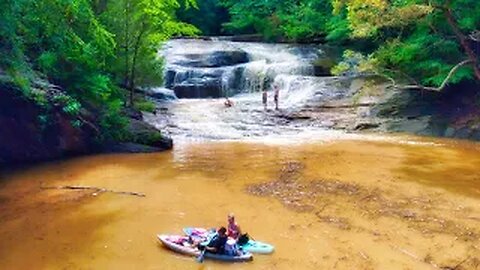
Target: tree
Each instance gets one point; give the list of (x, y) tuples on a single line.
[(139, 27), (425, 43), (208, 17)]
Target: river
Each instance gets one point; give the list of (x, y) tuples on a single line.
[(326, 199)]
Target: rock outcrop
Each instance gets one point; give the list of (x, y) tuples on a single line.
[(36, 129), (29, 132), (453, 113), (358, 103)]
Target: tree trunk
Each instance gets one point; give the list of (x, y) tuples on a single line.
[(127, 52), (100, 6), (463, 40), (136, 47)]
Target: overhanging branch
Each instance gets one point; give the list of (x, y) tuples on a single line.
[(422, 87)]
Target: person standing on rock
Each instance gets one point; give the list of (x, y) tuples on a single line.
[(264, 99), (276, 93)]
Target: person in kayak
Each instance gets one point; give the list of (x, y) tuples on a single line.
[(233, 230), (217, 244)]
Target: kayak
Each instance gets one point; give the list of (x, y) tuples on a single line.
[(180, 244), (251, 246)]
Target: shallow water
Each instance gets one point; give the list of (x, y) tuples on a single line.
[(391, 203)]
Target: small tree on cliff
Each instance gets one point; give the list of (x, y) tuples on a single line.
[(139, 27)]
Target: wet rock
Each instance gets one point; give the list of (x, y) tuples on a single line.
[(475, 135), (244, 38), (450, 113), (449, 132), (160, 93), (198, 90), (463, 133), (296, 116), (146, 134), (213, 59), (130, 148), (196, 83), (133, 114), (366, 125), (420, 125), (170, 78)]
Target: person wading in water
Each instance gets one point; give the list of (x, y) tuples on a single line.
[(276, 92), (264, 99)]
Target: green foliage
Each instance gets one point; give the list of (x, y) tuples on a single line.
[(139, 27), (145, 106), (410, 40), (148, 137), (208, 16), (260, 16), (69, 105), (87, 48), (353, 63), (338, 28), (113, 123), (414, 43), (40, 98), (294, 20)]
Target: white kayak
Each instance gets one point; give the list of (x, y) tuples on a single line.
[(180, 244)]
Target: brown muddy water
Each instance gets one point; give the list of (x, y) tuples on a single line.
[(376, 204)]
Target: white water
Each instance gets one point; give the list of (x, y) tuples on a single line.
[(266, 62), (288, 66)]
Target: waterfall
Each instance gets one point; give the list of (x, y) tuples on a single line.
[(200, 68), (201, 71)]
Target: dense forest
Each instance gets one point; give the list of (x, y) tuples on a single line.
[(96, 53), (413, 43), (91, 50)]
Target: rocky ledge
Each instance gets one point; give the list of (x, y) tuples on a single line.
[(361, 105), (35, 130)]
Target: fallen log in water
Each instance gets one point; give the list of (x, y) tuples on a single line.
[(97, 189)]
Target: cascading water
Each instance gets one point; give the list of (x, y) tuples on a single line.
[(200, 72), (200, 69)]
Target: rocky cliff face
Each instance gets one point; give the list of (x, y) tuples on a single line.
[(453, 113), (361, 104), (34, 131), (29, 132)]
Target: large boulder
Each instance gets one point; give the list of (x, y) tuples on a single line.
[(32, 132), (160, 93), (146, 134)]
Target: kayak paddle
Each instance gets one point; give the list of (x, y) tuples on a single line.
[(201, 257)]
